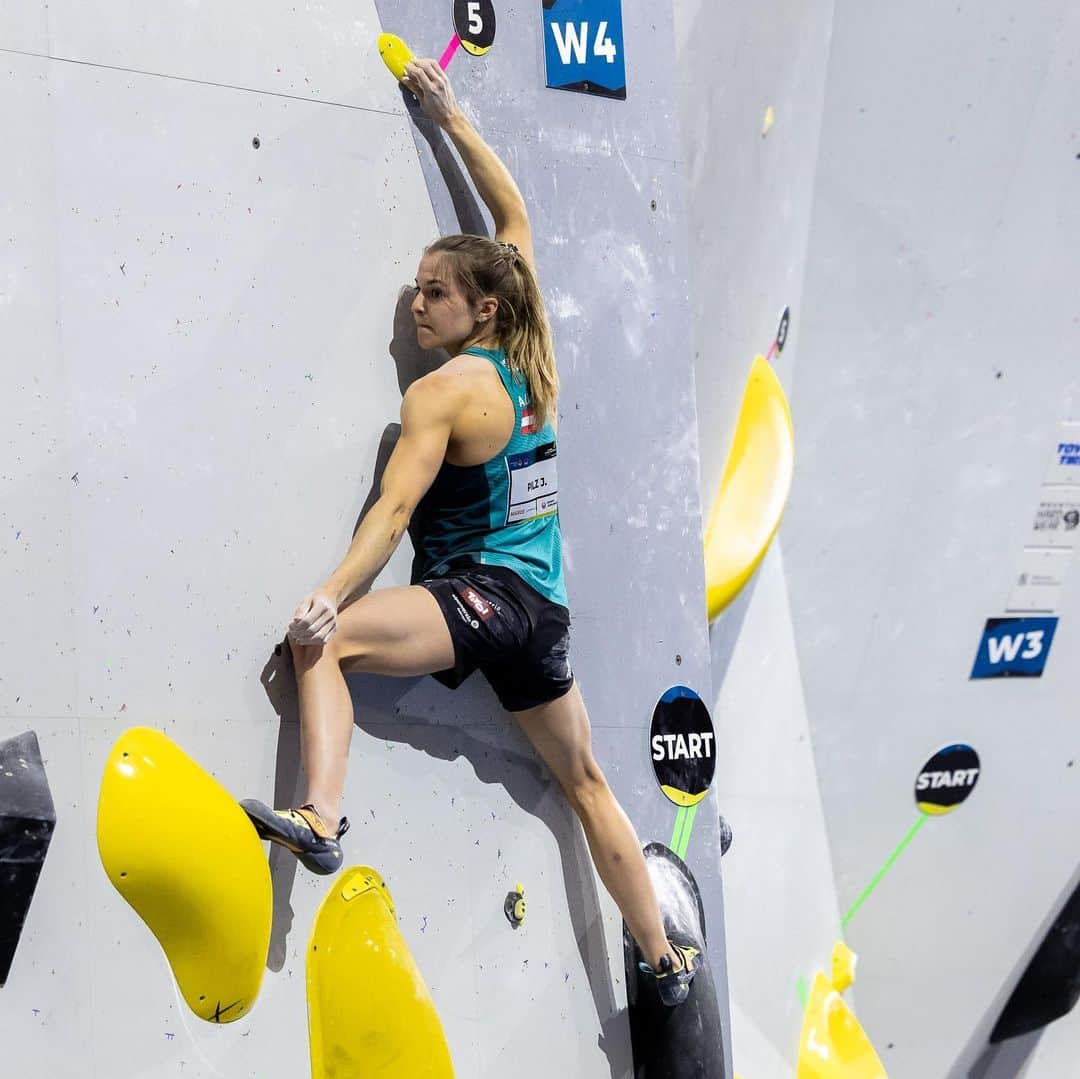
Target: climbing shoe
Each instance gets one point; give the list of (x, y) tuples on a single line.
[(300, 830), (674, 976)]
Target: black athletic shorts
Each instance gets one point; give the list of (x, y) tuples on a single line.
[(505, 628)]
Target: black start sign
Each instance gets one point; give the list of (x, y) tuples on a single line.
[(947, 779), (683, 746)]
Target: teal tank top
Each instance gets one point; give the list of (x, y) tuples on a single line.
[(504, 512)]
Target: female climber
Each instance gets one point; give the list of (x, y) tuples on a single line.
[(473, 479)]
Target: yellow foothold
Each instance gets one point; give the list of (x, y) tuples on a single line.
[(832, 1044), (767, 123), (180, 850), (753, 490), (369, 1011), (395, 53), (843, 967)]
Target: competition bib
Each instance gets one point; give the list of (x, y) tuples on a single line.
[(534, 484)]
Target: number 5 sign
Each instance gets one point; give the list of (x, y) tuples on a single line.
[(583, 46), (474, 21)]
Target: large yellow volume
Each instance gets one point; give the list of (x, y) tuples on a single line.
[(833, 1045), (369, 1011), (753, 490), (180, 850)]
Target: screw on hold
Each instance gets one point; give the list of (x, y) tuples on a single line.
[(256, 142), (514, 906)]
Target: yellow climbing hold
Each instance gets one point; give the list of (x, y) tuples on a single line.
[(395, 53), (753, 490), (833, 1045), (369, 1011), (180, 850), (843, 966), (767, 123)]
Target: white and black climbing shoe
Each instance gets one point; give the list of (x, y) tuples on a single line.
[(300, 830)]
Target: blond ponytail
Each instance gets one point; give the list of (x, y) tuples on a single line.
[(486, 267)]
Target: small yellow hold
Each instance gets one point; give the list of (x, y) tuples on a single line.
[(843, 967), (395, 53), (832, 1044), (767, 123), (514, 906)]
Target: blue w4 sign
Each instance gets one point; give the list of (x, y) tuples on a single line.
[(1014, 647), (583, 46)]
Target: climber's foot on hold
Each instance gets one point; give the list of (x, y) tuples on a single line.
[(300, 830), (674, 973)]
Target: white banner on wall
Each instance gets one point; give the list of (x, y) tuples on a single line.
[(1040, 578), (1057, 520), (1065, 463)]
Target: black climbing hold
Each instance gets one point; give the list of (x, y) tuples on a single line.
[(726, 836), (687, 1041), (514, 907), (782, 330), (27, 820), (1050, 987)]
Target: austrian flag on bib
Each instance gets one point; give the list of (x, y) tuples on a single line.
[(528, 421)]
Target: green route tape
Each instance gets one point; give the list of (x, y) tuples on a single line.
[(868, 890), (684, 823)]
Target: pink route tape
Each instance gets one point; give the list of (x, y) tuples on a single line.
[(448, 52)]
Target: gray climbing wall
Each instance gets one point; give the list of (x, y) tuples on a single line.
[(937, 361), (207, 219), (750, 190), (922, 225)]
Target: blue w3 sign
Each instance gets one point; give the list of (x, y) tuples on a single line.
[(583, 46), (1014, 647)]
